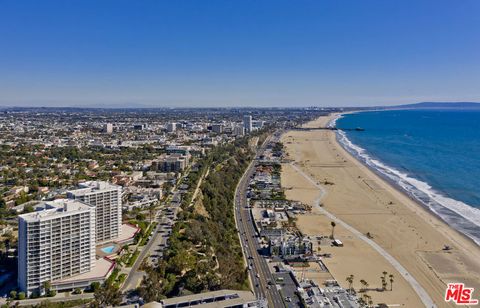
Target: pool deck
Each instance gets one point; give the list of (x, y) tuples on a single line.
[(127, 235), (111, 255)]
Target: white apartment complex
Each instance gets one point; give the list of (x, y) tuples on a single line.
[(56, 241), (106, 198)]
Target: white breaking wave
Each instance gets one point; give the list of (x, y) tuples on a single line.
[(333, 122), (422, 191)]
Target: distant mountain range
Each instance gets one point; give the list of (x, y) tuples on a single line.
[(436, 105)]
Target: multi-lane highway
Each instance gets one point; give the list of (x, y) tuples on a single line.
[(260, 275)]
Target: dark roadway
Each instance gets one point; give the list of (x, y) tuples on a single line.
[(261, 277)]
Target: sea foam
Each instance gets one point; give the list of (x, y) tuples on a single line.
[(457, 214)]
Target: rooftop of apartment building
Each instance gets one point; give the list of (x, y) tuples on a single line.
[(93, 186), (102, 269), (55, 208)]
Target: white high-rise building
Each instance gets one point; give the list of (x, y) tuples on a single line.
[(109, 128), (171, 127), (55, 242), (238, 130), (107, 200), (247, 123)]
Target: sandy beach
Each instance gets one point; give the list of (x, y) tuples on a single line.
[(408, 232)]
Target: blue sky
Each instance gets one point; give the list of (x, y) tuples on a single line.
[(238, 52)]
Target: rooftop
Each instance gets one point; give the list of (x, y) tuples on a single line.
[(128, 232), (221, 298), (100, 271), (93, 186), (55, 208)]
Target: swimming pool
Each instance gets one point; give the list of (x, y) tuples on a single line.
[(108, 249)]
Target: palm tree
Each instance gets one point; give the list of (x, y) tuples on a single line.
[(384, 280), (384, 283), (364, 284), (391, 281), (333, 224), (350, 283), (366, 298), (151, 211)]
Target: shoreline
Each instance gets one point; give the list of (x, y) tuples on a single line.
[(421, 293), (395, 185), (408, 230)]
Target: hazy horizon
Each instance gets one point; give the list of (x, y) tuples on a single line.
[(153, 106)]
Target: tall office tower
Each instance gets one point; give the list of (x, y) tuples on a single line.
[(107, 200), (109, 128), (247, 123), (171, 127), (56, 241)]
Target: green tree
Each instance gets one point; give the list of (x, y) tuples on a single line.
[(151, 287), (13, 294), (47, 285), (107, 295), (28, 208), (94, 286)]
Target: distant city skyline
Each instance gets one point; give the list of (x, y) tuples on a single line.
[(238, 53)]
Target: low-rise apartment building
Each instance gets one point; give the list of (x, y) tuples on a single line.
[(171, 163)]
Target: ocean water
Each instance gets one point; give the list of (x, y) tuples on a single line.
[(433, 155)]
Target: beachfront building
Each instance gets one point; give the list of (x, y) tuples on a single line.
[(107, 200), (55, 242), (289, 246)]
